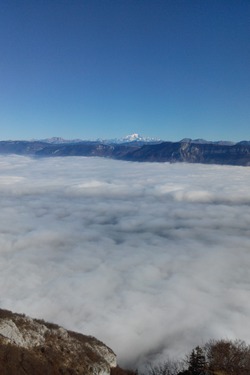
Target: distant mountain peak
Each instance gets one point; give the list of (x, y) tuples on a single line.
[(199, 140), (59, 140), (133, 137), (204, 141)]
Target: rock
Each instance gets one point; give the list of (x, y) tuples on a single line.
[(30, 346)]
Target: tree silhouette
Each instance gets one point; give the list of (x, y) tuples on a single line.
[(197, 362)]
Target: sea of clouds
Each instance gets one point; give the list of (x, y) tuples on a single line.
[(152, 259)]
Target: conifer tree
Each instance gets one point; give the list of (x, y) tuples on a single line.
[(197, 362)]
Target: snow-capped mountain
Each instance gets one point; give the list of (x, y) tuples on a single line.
[(135, 137), (138, 138)]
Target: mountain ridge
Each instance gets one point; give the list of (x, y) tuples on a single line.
[(186, 150), (131, 138), (135, 137)]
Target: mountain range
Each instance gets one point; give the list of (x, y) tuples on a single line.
[(135, 137), (136, 148)]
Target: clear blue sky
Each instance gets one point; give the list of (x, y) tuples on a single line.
[(106, 68)]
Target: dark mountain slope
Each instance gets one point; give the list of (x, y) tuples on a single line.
[(189, 152), (192, 153)]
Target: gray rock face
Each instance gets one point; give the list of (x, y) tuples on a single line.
[(192, 153), (37, 347), (32, 335)]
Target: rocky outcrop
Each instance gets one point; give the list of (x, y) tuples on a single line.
[(238, 154), (34, 347)]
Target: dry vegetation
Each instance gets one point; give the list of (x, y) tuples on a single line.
[(59, 352), (70, 353), (119, 371), (217, 357)]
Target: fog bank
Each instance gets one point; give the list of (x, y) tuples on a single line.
[(152, 259)]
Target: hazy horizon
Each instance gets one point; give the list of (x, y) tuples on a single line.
[(119, 137)]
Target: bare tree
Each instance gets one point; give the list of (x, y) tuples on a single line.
[(217, 357), (168, 367), (230, 357)]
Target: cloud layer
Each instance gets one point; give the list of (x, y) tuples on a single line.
[(152, 259)]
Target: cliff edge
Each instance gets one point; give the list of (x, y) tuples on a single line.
[(30, 346)]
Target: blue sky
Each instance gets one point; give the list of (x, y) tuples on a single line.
[(106, 68)]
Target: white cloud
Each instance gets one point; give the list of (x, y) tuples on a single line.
[(152, 259)]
